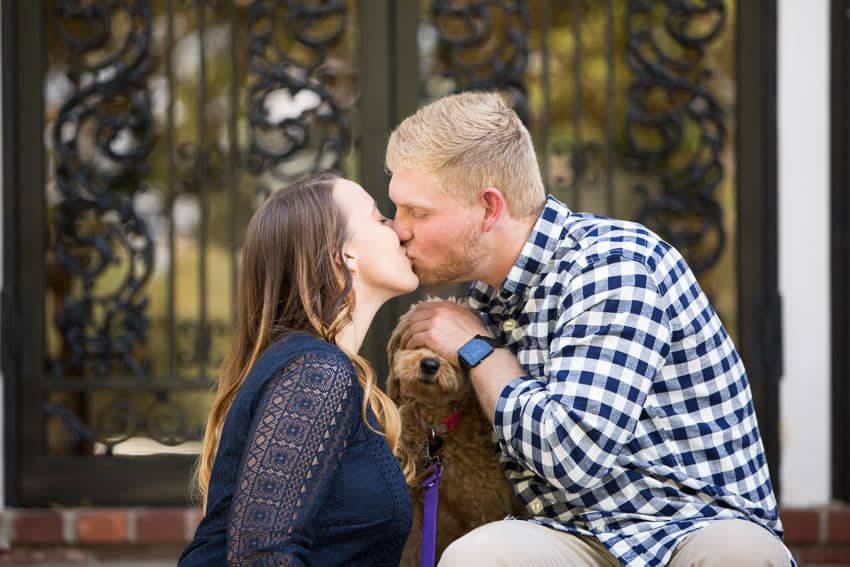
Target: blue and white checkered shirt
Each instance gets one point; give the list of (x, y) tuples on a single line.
[(635, 423)]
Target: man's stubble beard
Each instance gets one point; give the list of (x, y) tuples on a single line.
[(459, 266)]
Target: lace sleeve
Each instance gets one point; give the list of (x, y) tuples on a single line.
[(303, 420)]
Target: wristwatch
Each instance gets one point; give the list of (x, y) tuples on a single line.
[(475, 350)]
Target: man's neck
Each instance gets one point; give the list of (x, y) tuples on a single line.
[(506, 244)]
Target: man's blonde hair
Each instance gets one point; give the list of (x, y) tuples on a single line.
[(470, 141)]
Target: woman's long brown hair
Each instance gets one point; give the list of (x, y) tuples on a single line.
[(292, 279)]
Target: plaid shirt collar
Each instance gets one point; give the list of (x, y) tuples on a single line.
[(535, 255)]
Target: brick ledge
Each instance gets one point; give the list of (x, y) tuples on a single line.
[(816, 536), (97, 526)]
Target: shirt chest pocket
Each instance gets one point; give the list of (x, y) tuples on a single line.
[(654, 438)]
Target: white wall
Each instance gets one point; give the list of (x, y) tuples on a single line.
[(2, 434), (803, 125)]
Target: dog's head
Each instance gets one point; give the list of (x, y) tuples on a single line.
[(422, 375)]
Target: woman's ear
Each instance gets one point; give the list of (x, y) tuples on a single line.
[(350, 260)]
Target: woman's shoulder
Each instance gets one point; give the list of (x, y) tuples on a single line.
[(298, 353), (295, 346)]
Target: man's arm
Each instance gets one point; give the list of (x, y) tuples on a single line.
[(610, 341), (491, 376)]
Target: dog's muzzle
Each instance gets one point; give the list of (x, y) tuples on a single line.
[(429, 367)]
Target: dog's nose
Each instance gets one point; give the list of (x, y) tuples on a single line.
[(429, 365)]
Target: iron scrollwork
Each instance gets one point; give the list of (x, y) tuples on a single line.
[(102, 137), (486, 43), (121, 418), (584, 165), (687, 132), (193, 348), (296, 125)]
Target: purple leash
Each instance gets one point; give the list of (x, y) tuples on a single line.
[(429, 516)]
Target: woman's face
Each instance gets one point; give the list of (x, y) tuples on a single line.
[(374, 253)]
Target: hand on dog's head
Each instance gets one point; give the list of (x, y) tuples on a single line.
[(422, 375)]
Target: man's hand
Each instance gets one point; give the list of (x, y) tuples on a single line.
[(442, 326)]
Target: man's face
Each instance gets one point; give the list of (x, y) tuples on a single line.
[(438, 231)]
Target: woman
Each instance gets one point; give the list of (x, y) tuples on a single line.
[(298, 465)]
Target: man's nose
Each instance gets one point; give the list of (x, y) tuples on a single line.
[(402, 229)]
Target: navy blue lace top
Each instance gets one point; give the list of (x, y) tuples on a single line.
[(299, 479)]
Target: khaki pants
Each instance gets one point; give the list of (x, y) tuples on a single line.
[(727, 543)]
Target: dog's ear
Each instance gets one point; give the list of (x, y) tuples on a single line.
[(393, 387)]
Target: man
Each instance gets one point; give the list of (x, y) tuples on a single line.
[(622, 411)]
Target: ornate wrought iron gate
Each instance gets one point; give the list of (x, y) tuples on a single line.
[(140, 135)]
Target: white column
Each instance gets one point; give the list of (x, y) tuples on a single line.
[(803, 126), (2, 385)]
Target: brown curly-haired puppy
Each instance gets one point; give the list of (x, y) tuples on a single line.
[(434, 394)]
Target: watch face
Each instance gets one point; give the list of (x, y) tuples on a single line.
[(474, 351)]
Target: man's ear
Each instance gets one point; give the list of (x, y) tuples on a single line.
[(494, 206)]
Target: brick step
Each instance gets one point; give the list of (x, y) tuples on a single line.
[(816, 536), (101, 556)]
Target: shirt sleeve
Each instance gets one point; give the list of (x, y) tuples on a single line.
[(612, 337), (301, 426)]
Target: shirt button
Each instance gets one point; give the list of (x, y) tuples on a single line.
[(508, 325), (536, 506)]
